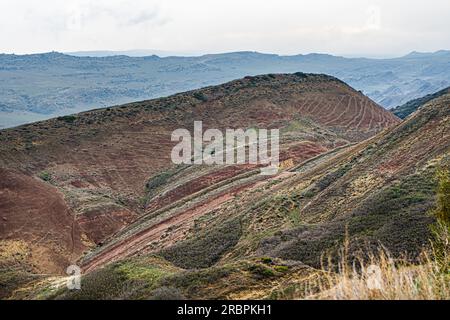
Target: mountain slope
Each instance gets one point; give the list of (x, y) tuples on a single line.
[(380, 193), (268, 240), (406, 109), (113, 187)]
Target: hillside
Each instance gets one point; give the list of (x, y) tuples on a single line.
[(267, 241), (41, 86), (406, 109), (104, 181)]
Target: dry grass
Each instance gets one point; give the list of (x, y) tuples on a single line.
[(13, 252), (380, 277)]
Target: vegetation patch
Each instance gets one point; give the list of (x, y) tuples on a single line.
[(200, 96), (192, 282), (166, 293), (261, 271), (155, 183), (11, 280), (46, 176), (207, 248), (67, 119), (395, 217), (128, 279)]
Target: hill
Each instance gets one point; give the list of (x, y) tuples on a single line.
[(104, 180), (267, 240), (41, 86)]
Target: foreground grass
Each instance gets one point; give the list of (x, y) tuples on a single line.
[(379, 276)]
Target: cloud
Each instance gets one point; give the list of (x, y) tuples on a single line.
[(113, 14), (278, 26), (143, 17)]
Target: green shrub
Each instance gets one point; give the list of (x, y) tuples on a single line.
[(103, 284), (266, 260), (191, 281), (67, 119), (308, 193), (261, 271), (281, 268), (127, 279), (46, 176), (200, 96), (157, 181), (207, 248)]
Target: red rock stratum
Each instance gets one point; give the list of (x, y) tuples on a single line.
[(79, 182)]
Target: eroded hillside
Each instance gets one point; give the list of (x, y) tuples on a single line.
[(267, 240), (411, 106), (106, 183)]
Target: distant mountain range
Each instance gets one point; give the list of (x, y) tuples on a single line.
[(40, 86), (129, 53)]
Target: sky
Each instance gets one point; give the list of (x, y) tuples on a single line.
[(345, 27)]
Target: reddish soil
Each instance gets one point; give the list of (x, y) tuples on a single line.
[(98, 224), (350, 113), (196, 185), (302, 151), (35, 212), (135, 243), (113, 152)]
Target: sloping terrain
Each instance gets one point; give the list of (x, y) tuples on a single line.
[(41, 86), (269, 239), (406, 109), (114, 190)]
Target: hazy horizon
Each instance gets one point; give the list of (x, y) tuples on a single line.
[(163, 53), (368, 28)]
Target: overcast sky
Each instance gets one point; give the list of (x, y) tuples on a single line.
[(349, 27)]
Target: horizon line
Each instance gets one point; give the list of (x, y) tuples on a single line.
[(117, 53)]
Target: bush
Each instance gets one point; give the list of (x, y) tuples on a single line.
[(67, 119), (44, 175), (192, 281), (128, 279), (395, 216), (281, 268), (206, 249), (200, 96), (266, 260), (331, 177), (167, 293), (157, 181), (103, 284), (261, 271)]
